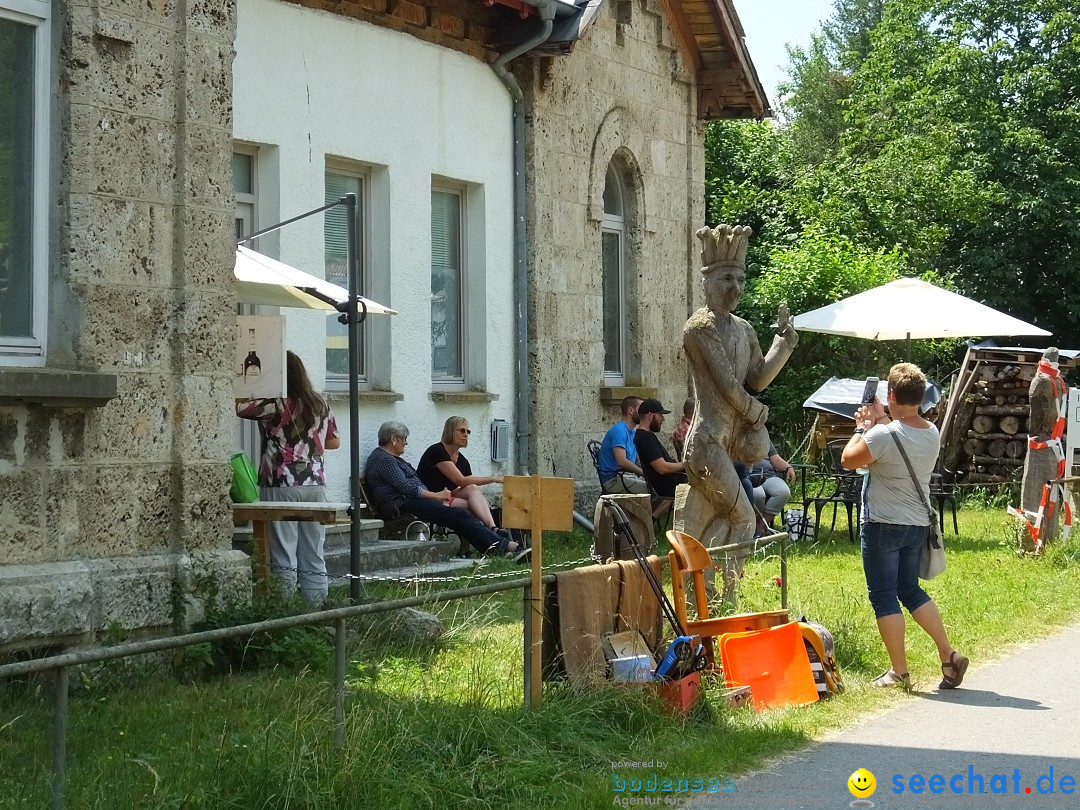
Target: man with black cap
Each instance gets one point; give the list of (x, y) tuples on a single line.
[(662, 473)]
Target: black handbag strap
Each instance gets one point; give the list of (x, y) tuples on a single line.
[(911, 472)]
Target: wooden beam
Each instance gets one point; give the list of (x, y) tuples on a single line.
[(683, 36)]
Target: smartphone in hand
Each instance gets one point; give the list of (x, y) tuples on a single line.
[(869, 393)]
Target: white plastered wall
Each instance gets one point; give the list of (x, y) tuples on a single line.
[(311, 85)]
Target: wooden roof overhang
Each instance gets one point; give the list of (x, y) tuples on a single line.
[(711, 38)]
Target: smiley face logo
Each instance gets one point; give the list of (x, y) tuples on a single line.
[(862, 784)]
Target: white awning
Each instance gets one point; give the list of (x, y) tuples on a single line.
[(262, 280)]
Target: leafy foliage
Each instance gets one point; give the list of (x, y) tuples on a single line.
[(934, 138)]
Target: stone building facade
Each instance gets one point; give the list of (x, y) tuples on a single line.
[(616, 165), (117, 301), (113, 469)]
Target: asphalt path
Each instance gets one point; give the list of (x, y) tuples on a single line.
[(1012, 728)]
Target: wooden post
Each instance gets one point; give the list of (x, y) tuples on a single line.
[(260, 541), (536, 503), (536, 627)]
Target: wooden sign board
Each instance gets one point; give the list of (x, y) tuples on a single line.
[(553, 510)]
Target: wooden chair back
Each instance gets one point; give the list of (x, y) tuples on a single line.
[(688, 557)]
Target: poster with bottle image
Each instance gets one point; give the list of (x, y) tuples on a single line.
[(259, 371)]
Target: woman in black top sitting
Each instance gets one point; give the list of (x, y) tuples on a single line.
[(444, 466)]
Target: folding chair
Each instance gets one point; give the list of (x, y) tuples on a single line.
[(943, 494), (593, 446)]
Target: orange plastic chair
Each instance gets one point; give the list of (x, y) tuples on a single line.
[(773, 663), (688, 557)]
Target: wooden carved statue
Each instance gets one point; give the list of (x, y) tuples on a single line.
[(729, 423)]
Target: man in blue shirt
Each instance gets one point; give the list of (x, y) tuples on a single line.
[(619, 468)]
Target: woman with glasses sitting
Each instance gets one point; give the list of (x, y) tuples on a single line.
[(395, 489), (444, 466)]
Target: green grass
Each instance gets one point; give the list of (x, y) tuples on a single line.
[(444, 726)]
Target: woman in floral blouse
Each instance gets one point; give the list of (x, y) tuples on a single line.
[(295, 433)]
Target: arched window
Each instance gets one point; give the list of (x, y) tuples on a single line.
[(616, 316)]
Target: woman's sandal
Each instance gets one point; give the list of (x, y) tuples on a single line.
[(890, 678), (958, 664)]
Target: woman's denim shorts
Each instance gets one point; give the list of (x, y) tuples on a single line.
[(890, 554)]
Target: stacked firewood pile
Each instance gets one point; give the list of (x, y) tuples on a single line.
[(986, 432), (996, 441)]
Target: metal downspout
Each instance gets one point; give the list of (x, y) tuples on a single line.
[(546, 11)]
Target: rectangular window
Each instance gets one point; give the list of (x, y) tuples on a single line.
[(614, 308), (24, 105), (447, 283), (248, 439), (243, 171), (340, 182)]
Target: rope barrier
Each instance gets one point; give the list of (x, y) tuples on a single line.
[(756, 546), (420, 578)]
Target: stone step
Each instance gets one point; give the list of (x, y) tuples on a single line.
[(376, 555), (335, 535), (339, 535), (435, 569), (379, 555)]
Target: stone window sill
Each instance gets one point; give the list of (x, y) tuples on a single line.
[(464, 397), (367, 395), (56, 388), (615, 394)]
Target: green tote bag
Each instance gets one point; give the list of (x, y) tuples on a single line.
[(245, 483)]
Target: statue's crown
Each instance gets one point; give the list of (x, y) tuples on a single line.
[(724, 246)]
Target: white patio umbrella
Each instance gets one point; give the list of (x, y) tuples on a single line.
[(911, 308), (262, 280)]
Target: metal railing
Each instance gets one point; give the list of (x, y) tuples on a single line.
[(62, 663)]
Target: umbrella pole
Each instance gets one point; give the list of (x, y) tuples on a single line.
[(355, 316)]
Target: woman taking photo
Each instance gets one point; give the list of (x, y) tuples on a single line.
[(444, 466), (295, 433), (895, 523)]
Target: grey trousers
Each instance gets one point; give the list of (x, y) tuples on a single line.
[(298, 544), (772, 496), (628, 483)]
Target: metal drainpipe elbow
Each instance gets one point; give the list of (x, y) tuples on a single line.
[(545, 10)]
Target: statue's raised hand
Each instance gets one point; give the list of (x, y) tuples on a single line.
[(784, 327)]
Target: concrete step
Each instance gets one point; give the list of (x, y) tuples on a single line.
[(335, 535), (339, 535), (381, 555), (376, 555), (448, 568)]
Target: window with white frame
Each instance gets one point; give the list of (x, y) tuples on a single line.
[(248, 438), (244, 179), (448, 283), (613, 262), (341, 180), (24, 171)]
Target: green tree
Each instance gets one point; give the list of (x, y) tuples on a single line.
[(963, 134), (938, 138)]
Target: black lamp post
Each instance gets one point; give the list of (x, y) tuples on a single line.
[(353, 312)]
